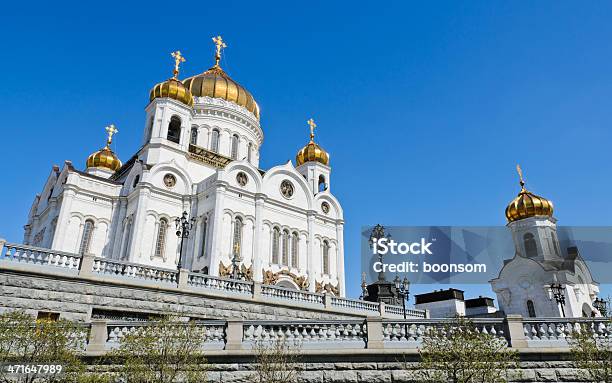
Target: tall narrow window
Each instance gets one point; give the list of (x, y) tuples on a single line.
[(325, 257), (127, 239), (193, 138), (556, 244), (160, 246), (234, 147), (237, 246), (86, 237), (285, 248), (214, 141), (531, 248), (249, 151), (531, 309), (322, 184), (295, 243), (275, 244), (174, 130), (203, 243)]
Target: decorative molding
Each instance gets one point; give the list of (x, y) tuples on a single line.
[(271, 278), (328, 287)]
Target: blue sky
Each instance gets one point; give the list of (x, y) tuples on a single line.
[(425, 107)]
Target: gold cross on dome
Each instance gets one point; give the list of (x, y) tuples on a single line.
[(220, 45), (312, 125), (110, 130), (178, 59), (520, 173)]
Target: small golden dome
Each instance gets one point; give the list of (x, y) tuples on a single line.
[(527, 204), (312, 151), (174, 89), (105, 158), (215, 83)]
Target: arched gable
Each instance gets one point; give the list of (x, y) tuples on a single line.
[(302, 196)]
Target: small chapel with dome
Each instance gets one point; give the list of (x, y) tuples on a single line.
[(200, 156)]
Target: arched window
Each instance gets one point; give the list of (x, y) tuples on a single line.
[(193, 138), (325, 257), (249, 150), (322, 184), (275, 244), (531, 309), (295, 243), (237, 246), (160, 246), (127, 239), (234, 147), (214, 141), (136, 181), (174, 130), (531, 248), (203, 243), (285, 248), (86, 237)]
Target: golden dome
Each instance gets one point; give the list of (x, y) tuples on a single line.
[(527, 204), (312, 151), (174, 89), (105, 158), (215, 83)]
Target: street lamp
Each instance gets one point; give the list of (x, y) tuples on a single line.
[(183, 226), (364, 287), (378, 232), (236, 272), (601, 306), (557, 291), (403, 290)]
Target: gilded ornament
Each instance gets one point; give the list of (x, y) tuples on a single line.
[(527, 204), (105, 158), (312, 151)]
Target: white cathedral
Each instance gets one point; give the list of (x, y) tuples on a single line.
[(200, 155)]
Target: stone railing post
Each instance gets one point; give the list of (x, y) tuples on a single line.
[(86, 265), (327, 301), (516, 333), (97, 335), (233, 334), (381, 309), (375, 333), (256, 291), (183, 278)]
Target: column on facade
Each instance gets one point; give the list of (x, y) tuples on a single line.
[(215, 255), (119, 230), (310, 216), (62, 221), (258, 242), (138, 227), (340, 258)]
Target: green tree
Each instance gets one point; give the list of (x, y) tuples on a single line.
[(163, 351), (276, 362), (458, 352), (29, 342), (592, 351)]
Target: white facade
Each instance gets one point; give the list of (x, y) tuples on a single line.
[(296, 237), (523, 284)]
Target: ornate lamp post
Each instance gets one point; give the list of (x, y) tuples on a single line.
[(364, 287), (236, 272), (378, 232), (403, 290), (183, 227), (601, 306), (557, 291)]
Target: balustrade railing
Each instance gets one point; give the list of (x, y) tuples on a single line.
[(210, 333), (282, 293), (40, 256), (414, 330), (355, 304), (208, 282), (558, 331), (307, 334), (104, 266)]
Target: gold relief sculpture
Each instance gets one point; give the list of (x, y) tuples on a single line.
[(224, 271), (247, 272), (328, 288), (271, 278)]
